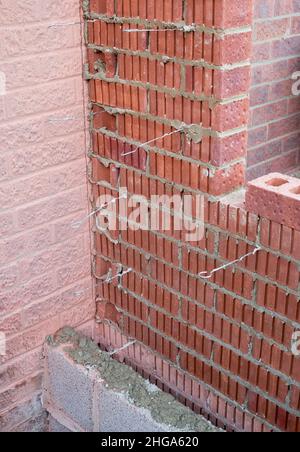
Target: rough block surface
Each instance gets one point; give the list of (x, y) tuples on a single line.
[(86, 390), (56, 427)]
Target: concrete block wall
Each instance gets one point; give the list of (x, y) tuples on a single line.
[(223, 345), (45, 278), (85, 390), (274, 122)]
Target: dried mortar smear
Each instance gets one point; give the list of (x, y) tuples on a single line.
[(118, 377)]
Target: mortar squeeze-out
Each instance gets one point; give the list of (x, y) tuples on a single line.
[(121, 379)]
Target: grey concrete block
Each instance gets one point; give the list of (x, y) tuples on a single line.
[(118, 414), (69, 388), (86, 390), (56, 427)]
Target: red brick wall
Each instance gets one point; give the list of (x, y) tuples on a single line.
[(274, 135), (222, 345)]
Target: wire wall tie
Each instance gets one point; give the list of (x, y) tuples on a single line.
[(118, 350), (107, 279), (208, 275), (79, 223), (74, 118), (66, 24), (66, 118), (152, 141), (98, 113), (182, 129), (185, 28), (155, 30)]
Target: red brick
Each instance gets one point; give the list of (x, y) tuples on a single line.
[(233, 13), (295, 398), (271, 29), (101, 6), (275, 197), (224, 181), (231, 82), (231, 49)]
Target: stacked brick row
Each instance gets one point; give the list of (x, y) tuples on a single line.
[(157, 82), (225, 342)]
